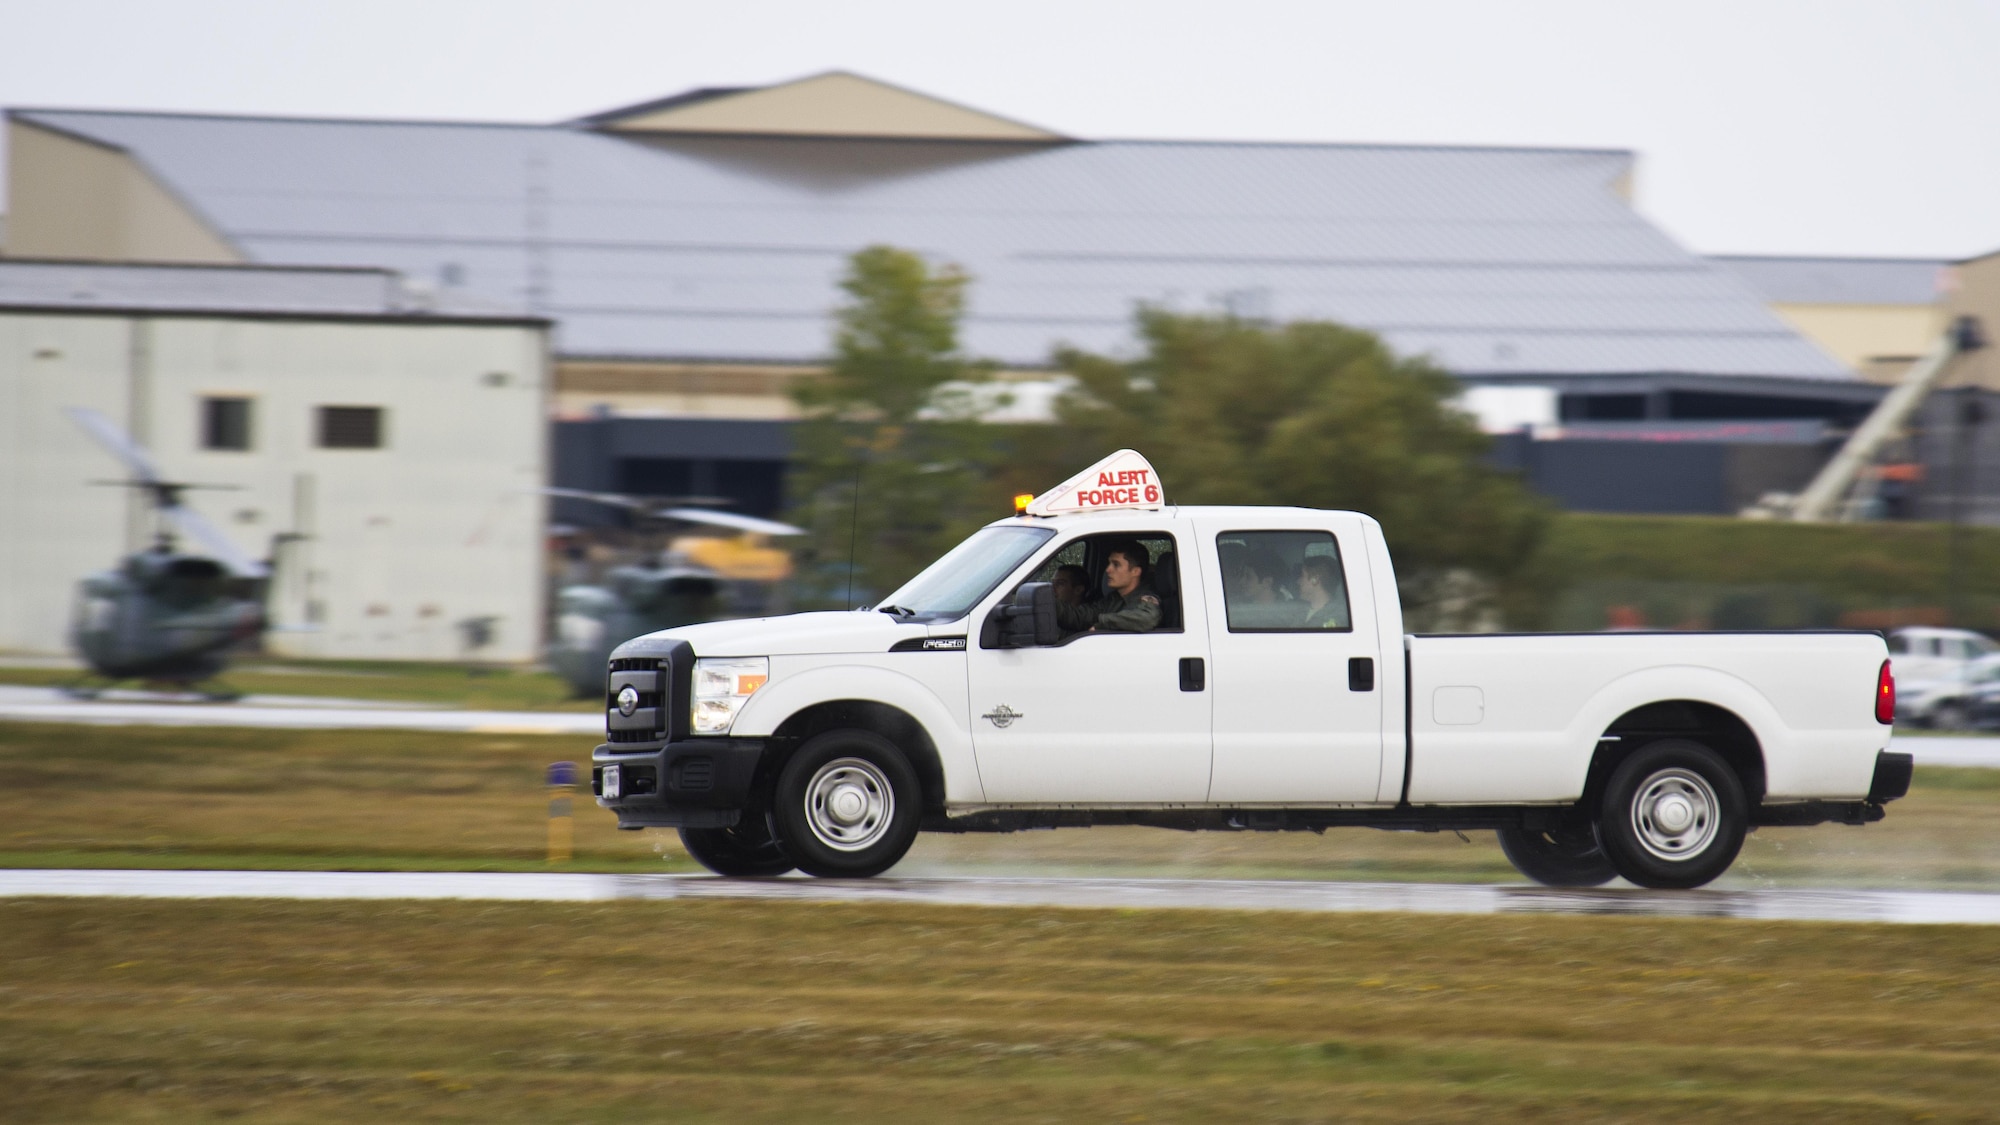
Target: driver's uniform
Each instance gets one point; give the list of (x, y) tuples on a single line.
[(1137, 612)]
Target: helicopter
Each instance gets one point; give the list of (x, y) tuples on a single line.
[(695, 578), (163, 614)]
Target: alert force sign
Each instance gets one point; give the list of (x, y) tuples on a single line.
[(1122, 481)]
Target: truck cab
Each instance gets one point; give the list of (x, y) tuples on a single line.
[(1273, 689)]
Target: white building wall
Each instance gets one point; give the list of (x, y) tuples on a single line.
[(443, 524)]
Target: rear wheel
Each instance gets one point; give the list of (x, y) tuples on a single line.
[(1673, 816), (744, 848), (847, 805), (1565, 857)]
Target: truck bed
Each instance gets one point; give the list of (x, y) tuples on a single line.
[(1516, 717)]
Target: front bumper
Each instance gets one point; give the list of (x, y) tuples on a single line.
[(692, 783)]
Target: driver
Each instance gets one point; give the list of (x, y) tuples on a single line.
[(1131, 606)]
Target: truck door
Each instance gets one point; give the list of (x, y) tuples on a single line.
[(1298, 667), (1103, 718)]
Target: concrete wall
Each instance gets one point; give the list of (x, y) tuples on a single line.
[(1977, 294), (443, 524), (76, 199), (1879, 341), (587, 388), (1679, 478)]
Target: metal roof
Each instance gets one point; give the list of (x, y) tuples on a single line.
[(1491, 261), (1839, 281), (225, 290)]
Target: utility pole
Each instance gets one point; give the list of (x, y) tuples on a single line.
[(1970, 412)]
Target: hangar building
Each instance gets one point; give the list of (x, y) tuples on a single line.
[(687, 251)]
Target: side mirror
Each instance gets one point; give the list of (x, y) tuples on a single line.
[(1029, 619)]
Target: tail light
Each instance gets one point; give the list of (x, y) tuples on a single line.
[(1885, 695)]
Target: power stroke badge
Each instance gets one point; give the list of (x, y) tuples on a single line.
[(1002, 716)]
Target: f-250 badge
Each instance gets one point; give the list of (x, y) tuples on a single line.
[(1002, 716)]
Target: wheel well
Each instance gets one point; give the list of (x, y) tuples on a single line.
[(1718, 728), (892, 723)]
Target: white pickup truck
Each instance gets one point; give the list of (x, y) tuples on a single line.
[(1275, 691)]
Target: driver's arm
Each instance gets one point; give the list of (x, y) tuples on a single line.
[(1076, 618), (1140, 614)]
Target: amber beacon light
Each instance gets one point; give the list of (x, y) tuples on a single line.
[(1021, 502)]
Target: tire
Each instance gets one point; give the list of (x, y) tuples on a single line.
[(1568, 857), (1673, 816), (745, 848), (847, 805), (1951, 715)]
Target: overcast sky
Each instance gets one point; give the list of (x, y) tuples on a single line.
[(1763, 126)]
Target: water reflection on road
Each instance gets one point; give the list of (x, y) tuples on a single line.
[(1212, 894)]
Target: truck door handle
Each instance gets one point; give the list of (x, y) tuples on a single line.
[(1194, 676), (1360, 673)]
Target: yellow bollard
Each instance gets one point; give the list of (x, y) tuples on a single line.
[(562, 782)]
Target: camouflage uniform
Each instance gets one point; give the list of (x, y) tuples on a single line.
[(1138, 612)]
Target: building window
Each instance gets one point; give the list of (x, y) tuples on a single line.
[(225, 423), (350, 427)]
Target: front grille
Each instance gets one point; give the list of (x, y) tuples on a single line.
[(694, 774), (648, 721)]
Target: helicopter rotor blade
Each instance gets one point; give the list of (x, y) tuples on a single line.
[(115, 442), (196, 527), (614, 499), (730, 520)]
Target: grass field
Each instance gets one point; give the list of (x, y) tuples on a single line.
[(754, 1012), (390, 800), (479, 688)]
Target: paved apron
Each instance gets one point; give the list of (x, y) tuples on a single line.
[(1209, 894)]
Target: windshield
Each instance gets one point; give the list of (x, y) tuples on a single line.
[(949, 587)]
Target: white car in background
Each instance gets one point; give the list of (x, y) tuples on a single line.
[(1963, 703), (1937, 670)]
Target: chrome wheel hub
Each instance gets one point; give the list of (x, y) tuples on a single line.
[(849, 804), (1675, 814)]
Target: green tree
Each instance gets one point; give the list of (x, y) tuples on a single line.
[(892, 465), (1323, 416)]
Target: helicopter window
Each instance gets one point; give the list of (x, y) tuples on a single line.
[(350, 427), (225, 423)]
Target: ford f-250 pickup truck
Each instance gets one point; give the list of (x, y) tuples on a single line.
[(1275, 691)]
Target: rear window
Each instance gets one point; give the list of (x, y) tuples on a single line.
[(1283, 582)]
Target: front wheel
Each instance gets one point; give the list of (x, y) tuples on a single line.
[(847, 805), (1567, 857), (744, 848), (1674, 816)]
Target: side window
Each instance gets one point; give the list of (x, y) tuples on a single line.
[(1899, 645), (1077, 572), (1931, 646), (1283, 581)]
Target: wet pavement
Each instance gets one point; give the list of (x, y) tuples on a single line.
[(295, 712), (1907, 907)]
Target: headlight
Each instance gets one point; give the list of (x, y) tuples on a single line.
[(721, 686)]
